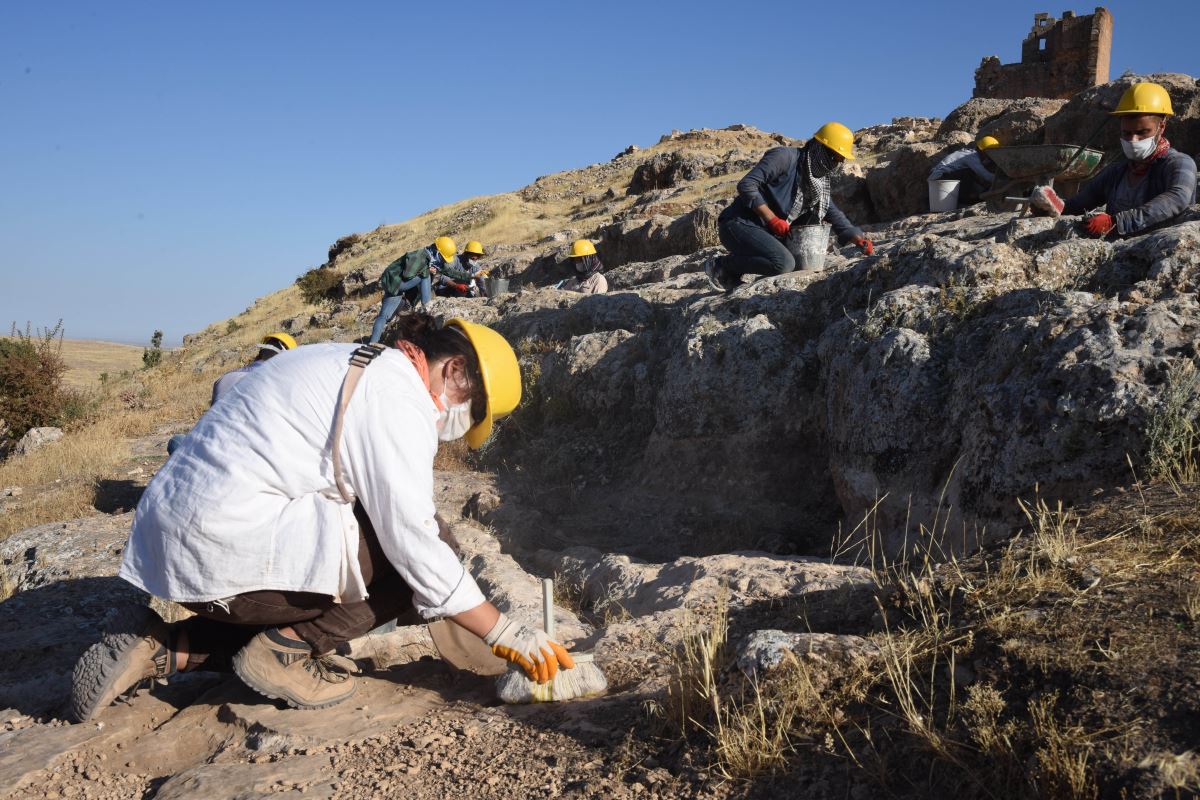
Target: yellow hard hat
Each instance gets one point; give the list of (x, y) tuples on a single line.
[(838, 138), (474, 247), (987, 142), (283, 340), (1144, 98), (501, 376), (582, 247), (445, 245)]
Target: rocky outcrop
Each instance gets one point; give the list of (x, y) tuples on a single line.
[(898, 186), (1013, 122), (974, 356)]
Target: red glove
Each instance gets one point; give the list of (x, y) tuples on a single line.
[(1046, 199), (866, 245), (1099, 225), (778, 226)]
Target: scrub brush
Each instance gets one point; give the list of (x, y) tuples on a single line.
[(584, 679)]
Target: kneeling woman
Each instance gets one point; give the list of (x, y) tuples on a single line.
[(289, 528)]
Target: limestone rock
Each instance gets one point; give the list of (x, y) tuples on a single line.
[(766, 650), (899, 188), (1013, 122), (36, 439), (666, 170)]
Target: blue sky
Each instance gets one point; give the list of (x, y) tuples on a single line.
[(163, 164)]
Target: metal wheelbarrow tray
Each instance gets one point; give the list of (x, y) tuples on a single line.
[(1042, 162)]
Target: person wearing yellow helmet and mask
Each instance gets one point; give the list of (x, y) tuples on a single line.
[(1153, 185), (411, 272), (589, 271), (971, 167), (302, 516), (789, 186), (271, 345), (457, 278)]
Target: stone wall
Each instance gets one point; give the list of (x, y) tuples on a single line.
[(1059, 58)]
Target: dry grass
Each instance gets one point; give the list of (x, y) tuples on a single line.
[(87, 360), (60, 479)]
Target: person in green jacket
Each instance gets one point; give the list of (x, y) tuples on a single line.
[(410, 271)]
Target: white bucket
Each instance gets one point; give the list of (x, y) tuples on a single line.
[(943, 195), (809, 244)]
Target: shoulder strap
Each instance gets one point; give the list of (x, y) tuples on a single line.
[(359, 360)]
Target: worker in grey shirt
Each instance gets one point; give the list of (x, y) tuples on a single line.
[(971, 167), (1150, 188), (788, 186)]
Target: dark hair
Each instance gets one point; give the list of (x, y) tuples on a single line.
[(439, 341)]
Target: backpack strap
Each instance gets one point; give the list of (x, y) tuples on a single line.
[(359, 360)]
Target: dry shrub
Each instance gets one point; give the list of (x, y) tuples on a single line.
[(320, 286), (31, 375), (1171, 435)]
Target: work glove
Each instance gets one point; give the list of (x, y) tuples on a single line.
[(530, 649), (1046, 199), (866, 245), (1099, 225), (778, 226)]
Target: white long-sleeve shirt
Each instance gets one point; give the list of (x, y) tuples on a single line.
[(249, 501), (966, 157)]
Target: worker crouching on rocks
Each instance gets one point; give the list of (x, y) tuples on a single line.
[(411, 272), (1151, 187), (458, 277), (789, 186), (589, 277), (287, 540), (971, 167)]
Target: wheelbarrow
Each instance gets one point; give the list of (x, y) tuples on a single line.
[(1029, 166)]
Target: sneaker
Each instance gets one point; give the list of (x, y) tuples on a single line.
[(285, 669), (716, 276), (135, 649)]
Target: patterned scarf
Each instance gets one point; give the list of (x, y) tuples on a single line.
[(417, 356), (587, 266), (1140, 168), (812, 193)]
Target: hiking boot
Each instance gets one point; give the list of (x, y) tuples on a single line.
[(716, 276), (136, 648), (285, 669)]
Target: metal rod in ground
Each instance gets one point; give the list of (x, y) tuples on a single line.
[(582, 680)]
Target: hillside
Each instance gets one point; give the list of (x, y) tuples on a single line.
[(920, 523)]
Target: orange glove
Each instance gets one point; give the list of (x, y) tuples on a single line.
[(530, 649), (778, 226), (866, 245), (1099, 225)]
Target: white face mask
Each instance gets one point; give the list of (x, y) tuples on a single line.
[(1139, 150), (454, 421)]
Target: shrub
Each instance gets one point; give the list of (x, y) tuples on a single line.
[(152, 355), (31, 372), (320, 286)]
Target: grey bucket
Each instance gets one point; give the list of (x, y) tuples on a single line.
[(809, 244), (495, 286)]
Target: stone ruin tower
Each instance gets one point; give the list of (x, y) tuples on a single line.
[(1059, 58)]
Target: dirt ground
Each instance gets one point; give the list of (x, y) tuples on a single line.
[(1044, 667)]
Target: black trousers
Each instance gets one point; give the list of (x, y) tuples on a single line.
[(220, 629)]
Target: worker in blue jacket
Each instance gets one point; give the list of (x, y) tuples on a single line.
[(789, 186)]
